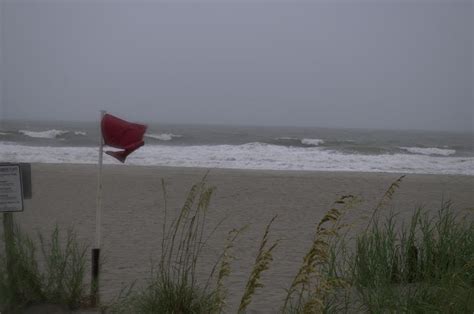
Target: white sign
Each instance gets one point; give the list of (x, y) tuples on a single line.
[(11, 196)]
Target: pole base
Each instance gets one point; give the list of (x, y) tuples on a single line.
[(95, 277)]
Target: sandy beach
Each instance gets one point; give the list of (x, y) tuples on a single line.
[(65, 194)]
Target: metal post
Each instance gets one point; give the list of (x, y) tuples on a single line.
[(9, 237)]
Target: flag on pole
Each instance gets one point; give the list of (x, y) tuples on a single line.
[(121, 134)]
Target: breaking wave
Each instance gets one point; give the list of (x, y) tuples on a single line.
[(294, 141), (429, 151), (43, 134), (163, 136), (312, 141), (248, 156)]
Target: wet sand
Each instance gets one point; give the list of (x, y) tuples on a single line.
[(65, 194)]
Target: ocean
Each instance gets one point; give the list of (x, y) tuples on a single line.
[(248, 147)]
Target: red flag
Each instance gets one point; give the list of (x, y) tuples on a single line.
[(122, 134)]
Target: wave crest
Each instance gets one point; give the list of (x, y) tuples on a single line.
[(43, 134), (163, 136), (429, 151), (312, 141)]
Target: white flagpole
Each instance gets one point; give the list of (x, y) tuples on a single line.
[(98, 213), (98, 216)]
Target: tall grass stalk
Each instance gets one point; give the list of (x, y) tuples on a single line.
[(224, 265), (173, 286), (312, 283), (386, 197), (262, 263)]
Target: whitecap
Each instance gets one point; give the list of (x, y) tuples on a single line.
[(43, 134), (163, 136), (429, 151), (312, 141), (80, 133)]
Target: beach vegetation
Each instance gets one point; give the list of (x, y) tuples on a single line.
[(49, 272), (421, 264), (315, 279), (390, 262), (426, 266), (424, 263), (262, 263), (173, 286)]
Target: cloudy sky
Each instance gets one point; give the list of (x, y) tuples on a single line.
[(377, 64)]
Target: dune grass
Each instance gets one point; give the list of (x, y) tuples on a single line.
[(314, 280), (427, 266), (173, 286), (56, 276), (421, 264), (262, 263)]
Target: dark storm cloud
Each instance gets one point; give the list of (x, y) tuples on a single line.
[(382, 64)]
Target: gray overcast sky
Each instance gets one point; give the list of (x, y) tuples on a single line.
[(381, 64)]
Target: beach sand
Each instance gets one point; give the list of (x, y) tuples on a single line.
[(65, 194)]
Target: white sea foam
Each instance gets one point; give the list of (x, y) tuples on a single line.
[(163, 136), (80, 133), (429, 151), (3, 133), (43, 134), (312, 141), (248, 156)]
